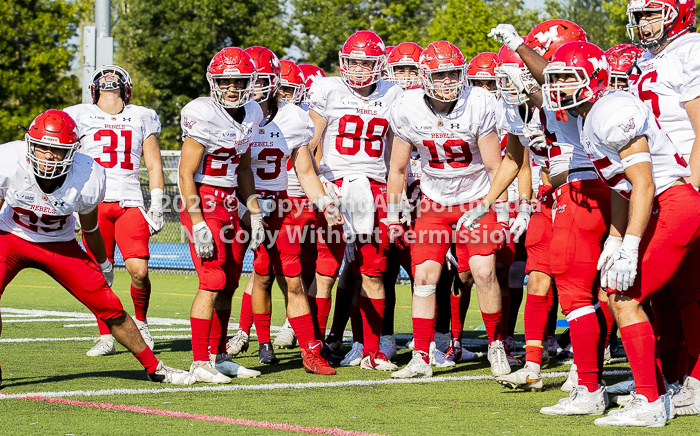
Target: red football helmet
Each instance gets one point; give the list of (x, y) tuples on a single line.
[(362, 46), (677, 18), (508, 58), (232, 63), (406, 54), (52, 129), (311, 73), (440, 56), (116, 77), (621, 59), (268, 67), (482, 67), (586, 63), (292, 77), (547, 37)]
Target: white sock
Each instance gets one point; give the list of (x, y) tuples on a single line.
[(107, 338)]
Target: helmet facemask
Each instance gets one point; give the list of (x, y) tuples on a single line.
[(555, 93), (403, 81), (360, 79), (635, 29), (51, 169), (244, 94), (121, 81), (452, 91), (506, 88), (269, 89)]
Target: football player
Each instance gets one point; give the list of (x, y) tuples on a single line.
[(214, 168), (311, 73), (622, 59), (402, 65), (44, 180), (481, 71), (117, 134), (352, 135)]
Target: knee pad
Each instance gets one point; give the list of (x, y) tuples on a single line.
[(424, 290), (581, 311), (516, 276)]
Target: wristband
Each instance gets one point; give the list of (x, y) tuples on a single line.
[(525, 207), (322, 203), (392, 212), (157, 199), (97, 226), (501, 208), (631, 242)]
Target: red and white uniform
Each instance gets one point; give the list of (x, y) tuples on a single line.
[(270, 152), (116, 143), (37, 229), (674, 225), (354, 144), (453, 172), (224, 141), (668, 80)]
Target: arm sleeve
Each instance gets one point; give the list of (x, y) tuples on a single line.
[(194, 125), (152, 123), (400, 129), (317, 98)]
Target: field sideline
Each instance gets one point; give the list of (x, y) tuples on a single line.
[(43, 353)]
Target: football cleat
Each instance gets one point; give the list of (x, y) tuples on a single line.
[(266, 354), (145, 334), (638, 413), (580, 402), (225, 365), (526, 378), (102, 348), (354, 356), (205, 372), (387, 345), (237, 344), (442, 341), (571, 381), (415, 368), (285, 337), (312, 360), (499, 360), (687, 399), (552, 345), (166, 374), (377, 361), (438, 358)]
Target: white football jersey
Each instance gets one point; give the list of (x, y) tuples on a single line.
[(668, 80), (273, 144), (355, 138), (294, 188), (515, 125), (36, 216), (453, 171), (224, 139), (116, 143), (565, 151), (614, 121)]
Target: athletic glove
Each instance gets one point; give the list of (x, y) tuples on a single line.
[(470, 219), (521, 221), (257, 231), (621, 268), (108, 272), (331, 190), (507, 35), (155, 212), (397, 235), (203, 240)]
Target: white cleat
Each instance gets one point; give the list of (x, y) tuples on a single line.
[(354, 356), (145, 334), (205, 372), (499, 360), (527, 378), (442, 341), (387, 345), (687, 399), (439, 359), (379, 362), (226, 366), (572, 381), (415, 368), (411, 344), (166, 374), (580, 402), (285, 337), (102, 348), (238, 343), (638, 413)]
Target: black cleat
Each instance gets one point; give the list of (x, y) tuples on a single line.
[(266, 354)]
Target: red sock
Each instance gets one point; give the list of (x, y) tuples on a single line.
[(219, 331), (356, 324), (639, 340), (372, 310), (262, 323), (148, 360), (141, 297), (535, 319), (585, 338), (303, 327), (102, 327), (200, 338), (457, 324), (246, 321), (492, 322), (609, 320), (505, 313), (423, 330), (324, 310)]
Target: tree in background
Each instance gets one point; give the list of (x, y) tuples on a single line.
[(35, 60), (604, 21), (167, 46)]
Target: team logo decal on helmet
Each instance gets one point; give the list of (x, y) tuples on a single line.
[(548, 36), (622, 59), (52, 129), (268, 67), (232, 63)]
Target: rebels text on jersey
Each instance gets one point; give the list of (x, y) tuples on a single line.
[(355, 138), (36, 216), (116, 143), (614, 121), (223, 138), (667, 81), (453, 171), (273, 143)]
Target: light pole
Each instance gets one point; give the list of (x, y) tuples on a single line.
[(98, 45)]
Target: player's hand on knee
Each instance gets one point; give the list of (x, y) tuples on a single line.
[(108, 272), (203, 240)]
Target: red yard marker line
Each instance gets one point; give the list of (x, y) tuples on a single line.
[(220, 419)]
